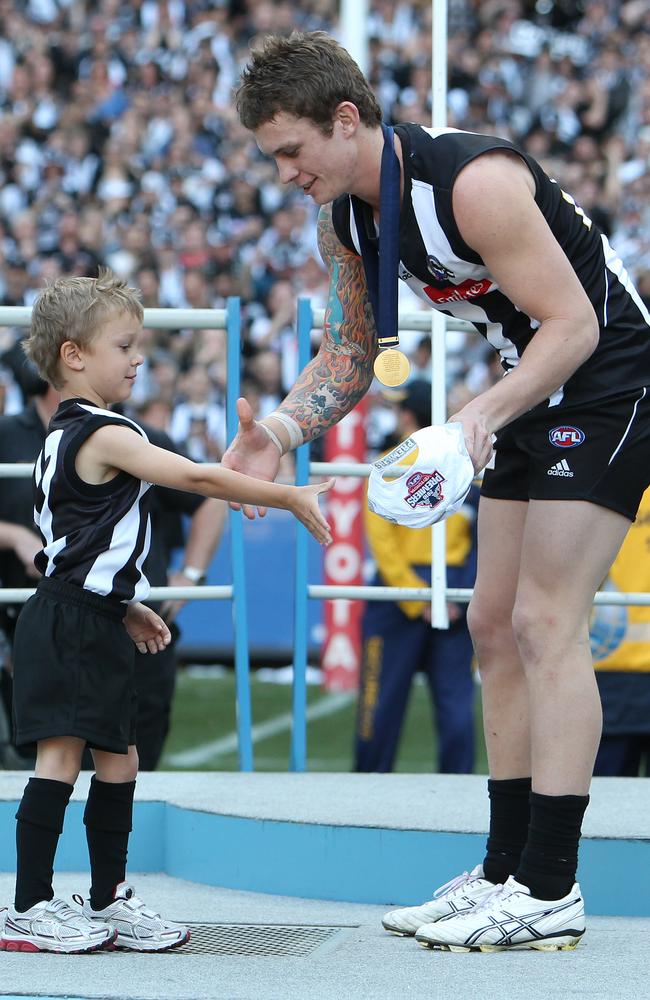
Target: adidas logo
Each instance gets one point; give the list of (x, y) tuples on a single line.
[(560, 469)]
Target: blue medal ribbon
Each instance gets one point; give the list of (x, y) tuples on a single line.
[(381, 268)]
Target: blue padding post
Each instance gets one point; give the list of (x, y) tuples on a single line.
[(240, 618), (298, 752)]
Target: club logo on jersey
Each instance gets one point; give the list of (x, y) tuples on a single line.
[(566, 436), (438, 270), (424, 489), (469, 289)]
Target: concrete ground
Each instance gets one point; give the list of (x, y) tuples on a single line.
[(361, 961)]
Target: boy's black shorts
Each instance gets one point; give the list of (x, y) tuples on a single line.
[(73, 664), (598, 451)]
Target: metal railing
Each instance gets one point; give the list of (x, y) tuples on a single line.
[(230, 320)]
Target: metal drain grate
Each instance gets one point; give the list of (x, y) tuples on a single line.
[(257, 939)]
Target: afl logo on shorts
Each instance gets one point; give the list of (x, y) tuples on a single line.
[(566, 437)]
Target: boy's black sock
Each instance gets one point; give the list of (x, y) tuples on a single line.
[(509, 818), (550, 858), (40, 822), (108, 817)]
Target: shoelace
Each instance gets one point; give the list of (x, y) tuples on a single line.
[(498, 894), (454, 883)]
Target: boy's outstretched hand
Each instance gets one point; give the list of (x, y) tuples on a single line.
[(304, 505), (147, 629)]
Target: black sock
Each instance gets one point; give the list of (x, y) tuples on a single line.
[(509, 818), (40, 822), (108, 818), (550, 858)]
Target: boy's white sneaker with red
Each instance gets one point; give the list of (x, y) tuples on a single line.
[(137, 927), (53, 925)]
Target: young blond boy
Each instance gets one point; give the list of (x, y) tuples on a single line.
[(74, 644)]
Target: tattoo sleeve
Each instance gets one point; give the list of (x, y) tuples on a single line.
[(341, 372)]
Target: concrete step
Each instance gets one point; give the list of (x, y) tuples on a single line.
[(379, 839)]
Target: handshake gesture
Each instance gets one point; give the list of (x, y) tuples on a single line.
[(254, 453)]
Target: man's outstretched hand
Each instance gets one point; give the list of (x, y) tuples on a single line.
[(251, 452)]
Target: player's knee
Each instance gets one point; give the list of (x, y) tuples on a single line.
[(532, 630), (117, 767), (59, 759), (489, 628), (131, 764)]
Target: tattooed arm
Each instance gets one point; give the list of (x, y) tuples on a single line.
[(330, 385), (341, 373)]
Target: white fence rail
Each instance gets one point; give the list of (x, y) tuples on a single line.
[(154, 319)]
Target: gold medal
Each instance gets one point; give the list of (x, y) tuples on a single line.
[(392, 367)]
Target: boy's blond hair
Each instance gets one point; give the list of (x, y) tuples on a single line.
[(75, 309)]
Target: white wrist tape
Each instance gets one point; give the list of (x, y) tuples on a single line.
[(274, 438), (296, 437)]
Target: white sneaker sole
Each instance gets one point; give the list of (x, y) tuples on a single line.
[(566, 942), (400, 931), (34, 944), (128, 944)]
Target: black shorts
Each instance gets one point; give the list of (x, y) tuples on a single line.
[(598, 451), (73, 664)]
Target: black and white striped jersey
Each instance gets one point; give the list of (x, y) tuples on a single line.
[(94, 536), (447, 274)]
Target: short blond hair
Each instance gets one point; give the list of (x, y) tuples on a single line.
[(75, 309)]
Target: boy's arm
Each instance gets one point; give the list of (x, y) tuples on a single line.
[(116, 446), (119, 447)]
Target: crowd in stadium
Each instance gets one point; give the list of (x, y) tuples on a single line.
[(120, 145)]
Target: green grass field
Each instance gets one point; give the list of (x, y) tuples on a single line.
[(203, 731)]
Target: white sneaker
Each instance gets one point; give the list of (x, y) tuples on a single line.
[(459, 895), (511, 918), (138, 928), (53, 926)]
